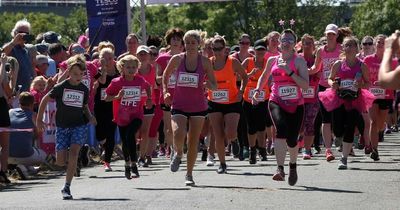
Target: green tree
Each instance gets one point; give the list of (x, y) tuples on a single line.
[(376, 17)]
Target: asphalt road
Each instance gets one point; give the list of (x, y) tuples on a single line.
[(366, 185)]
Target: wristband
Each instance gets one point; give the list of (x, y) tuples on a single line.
[(291, 73)]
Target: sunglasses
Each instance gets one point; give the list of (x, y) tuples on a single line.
[(244, 43), (367, 43), (290, 41), (78, 50), (215, 49)]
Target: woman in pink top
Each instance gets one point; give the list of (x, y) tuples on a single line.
[(325, 56), (286, 104), (148, 72), (174, 39), (125, 92), (346, 98), (189, 106), (132, 43), (311, 105), (384, 98)]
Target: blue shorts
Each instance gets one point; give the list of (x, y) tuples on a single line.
[(65, 137)]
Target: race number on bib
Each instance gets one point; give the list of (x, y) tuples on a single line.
[(326, 74), (288, 92), (220, 96), (348, 84), (379, 93), (172, 81), (309, 92), (73, 98), (260, 97), (131, 95), (188, 80), (102, 94)]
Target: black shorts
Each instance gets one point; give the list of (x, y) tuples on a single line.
[(257, 117), (326, 116), (165, 107), (149, 111), (384, 104), (4, 116), (224, 108), (189, 114)]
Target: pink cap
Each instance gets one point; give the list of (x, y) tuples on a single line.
[(331, 28)]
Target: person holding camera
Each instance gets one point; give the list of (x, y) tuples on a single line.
[(346, 98), (17, 49)]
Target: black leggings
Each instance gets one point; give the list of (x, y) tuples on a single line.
[(326, 116), (106, 130), (344, 123), (129, 139), (257, 117), (287, 124)]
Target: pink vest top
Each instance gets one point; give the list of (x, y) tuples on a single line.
[(328, 58), (373, 64), (310, 94), (150, 77), (347, 74), (284, 91), (189, 88)]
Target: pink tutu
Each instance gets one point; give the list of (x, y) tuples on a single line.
[(331, 100)]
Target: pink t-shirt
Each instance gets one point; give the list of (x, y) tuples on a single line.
[(373, 63), (130, 106), (37, 95)]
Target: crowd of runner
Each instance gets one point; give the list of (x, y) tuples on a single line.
[(281, 93)]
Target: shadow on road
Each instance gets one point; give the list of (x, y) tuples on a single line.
[(374, 169), (101, 199), (249, 174), (21, 186), (164, 188), (229, 187), (306, 188)]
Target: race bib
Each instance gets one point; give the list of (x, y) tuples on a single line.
[(172, 81), (103, 94), (188, 80), (86, 82), (309, 92), (220, 96), (379, 93), (73, 98), (131, 96), (288, 92), (348, 84), (260, 97)]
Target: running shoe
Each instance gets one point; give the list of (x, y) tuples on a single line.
[(135, 171), (107, 167), (269, 144), (375, 155), (161, 152), (222, 168), (395, 128), (342, 164), (176, 161), (253, 155), (263, 153), (149, 160), (307, 154), (142, 163), (210, 160), (338, 141), (66, 193), (279, 175), (128, 172), (235, 147), (329, 155), (189, 180), (22, 172), (317, 149), (388, 131), (352, 153), (292, 174), (168, 152)]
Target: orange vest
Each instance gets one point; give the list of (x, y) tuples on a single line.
[(227, 90), (252, 83)]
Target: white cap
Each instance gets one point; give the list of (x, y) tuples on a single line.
[(142, 48), (331, 28)]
